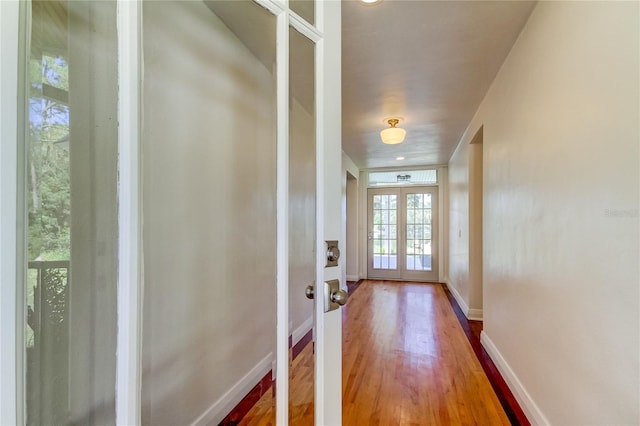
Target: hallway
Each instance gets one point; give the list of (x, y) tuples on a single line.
[(406, 361)]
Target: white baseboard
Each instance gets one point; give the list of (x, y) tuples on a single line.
[(472, 314), (463, 305), (301, 331), (531, 410), (352, 278), (227, 402)]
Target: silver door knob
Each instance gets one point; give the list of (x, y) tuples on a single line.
[(340, 297), (333, 295), (309, 291), (333, 254)]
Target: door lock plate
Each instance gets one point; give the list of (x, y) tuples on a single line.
[(333, 253)]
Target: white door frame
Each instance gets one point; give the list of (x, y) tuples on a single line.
[(328, 360), (130, 279), (326, 33), (10, 407)]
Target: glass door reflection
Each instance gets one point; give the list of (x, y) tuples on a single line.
[(209, 170), (302, 225), (71, 191)]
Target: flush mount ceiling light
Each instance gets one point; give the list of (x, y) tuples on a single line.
[(370, 1), (393, 134)]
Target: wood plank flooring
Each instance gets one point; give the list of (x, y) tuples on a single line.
[(300, 391), (406, 361)]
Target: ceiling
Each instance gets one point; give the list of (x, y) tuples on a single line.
[(429, 62)]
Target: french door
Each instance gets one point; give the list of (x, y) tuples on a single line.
[(403, 233), (106, 224)]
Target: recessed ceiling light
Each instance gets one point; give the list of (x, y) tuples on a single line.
[(370, 1), (399, 158)]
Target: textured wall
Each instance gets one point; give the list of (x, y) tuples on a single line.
[(561, 131)]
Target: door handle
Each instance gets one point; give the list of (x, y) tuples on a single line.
[(334, 296), (340, 297), (309, 291), (333, 253)]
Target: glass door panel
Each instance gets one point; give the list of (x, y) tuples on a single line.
[(72, 181), (209, 210), (420, 217), (305, 9), (302, 226), (403, 233), (385, 239), (383, 234), (418, 231)]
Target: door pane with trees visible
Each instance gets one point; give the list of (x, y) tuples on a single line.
[(71, 194), (418, 244), (385, 232)]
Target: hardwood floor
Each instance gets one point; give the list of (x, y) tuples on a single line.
[(406, 361), (300, 399), (472, 330)]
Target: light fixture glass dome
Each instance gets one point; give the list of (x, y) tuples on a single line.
[(393, 134)]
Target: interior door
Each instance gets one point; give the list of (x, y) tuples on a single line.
[(89, 291), (403, 233), (328, 330)]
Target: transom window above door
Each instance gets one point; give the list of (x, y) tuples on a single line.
[(403, 177)]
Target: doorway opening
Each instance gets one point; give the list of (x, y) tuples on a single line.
[(352, 271), (475, 225)]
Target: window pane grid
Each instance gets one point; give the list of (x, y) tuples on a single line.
[(385, 246), (418, 231)]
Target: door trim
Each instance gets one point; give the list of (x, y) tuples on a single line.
[(130, 284), (10, 381), (328, 349), (282, 219)]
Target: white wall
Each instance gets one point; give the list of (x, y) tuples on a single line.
[(465, 226), (475, 227), (350, 213), (459, 282), (351, 235), (209, 215), (561, 294)]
